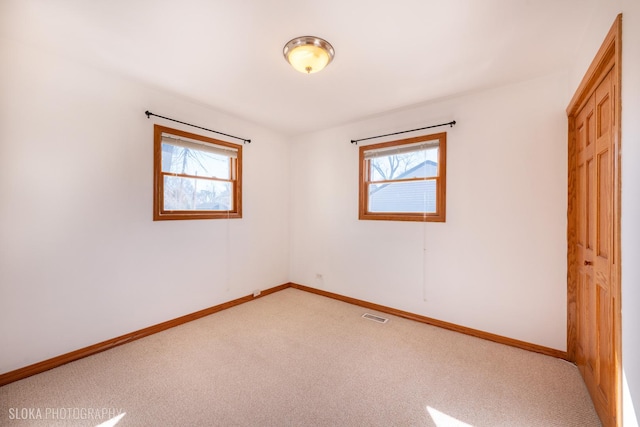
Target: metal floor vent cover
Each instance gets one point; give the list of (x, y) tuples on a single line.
[(375, 318)]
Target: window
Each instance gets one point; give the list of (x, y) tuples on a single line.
[(195, 177), (404, 180)]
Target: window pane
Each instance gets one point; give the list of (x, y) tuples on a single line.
[(414, 197), (415, 164), (190, 161), (188, 194)]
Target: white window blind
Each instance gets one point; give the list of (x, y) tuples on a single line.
[(403, 149), (200, 146)]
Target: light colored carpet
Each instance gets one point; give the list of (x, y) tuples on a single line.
[(298, 359)]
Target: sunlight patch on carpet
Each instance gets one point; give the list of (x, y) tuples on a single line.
[(113, 421), (443, 420)]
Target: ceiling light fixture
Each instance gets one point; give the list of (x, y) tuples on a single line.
[(308, 54)]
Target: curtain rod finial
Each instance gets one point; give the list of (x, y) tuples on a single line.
[(148, 113), (353, 141)]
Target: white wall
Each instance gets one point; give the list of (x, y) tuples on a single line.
[(81, 260), (602, 19), (631, 210), (498, 264)]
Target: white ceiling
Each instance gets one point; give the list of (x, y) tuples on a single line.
[(228, 53)]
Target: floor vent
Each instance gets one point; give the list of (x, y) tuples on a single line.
[(375, 318)]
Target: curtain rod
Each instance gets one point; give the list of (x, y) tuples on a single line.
[(244, 140), (451, 123)]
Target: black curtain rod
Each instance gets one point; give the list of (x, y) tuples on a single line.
[(451, 123), (149, 114)]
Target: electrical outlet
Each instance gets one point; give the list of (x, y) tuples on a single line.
[(256, 293)]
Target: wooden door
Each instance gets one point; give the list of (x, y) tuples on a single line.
[(593, 233), (595, 349)]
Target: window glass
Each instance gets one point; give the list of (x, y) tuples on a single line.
[(416, 164), (412, 196), (196, 194), (191, 161)]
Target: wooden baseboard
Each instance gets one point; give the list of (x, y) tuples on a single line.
[(54, 362), (439, 323)]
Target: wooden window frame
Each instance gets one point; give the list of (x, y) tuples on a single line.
[(365, 171), (159, 213)]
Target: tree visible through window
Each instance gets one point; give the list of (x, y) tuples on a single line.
[(195, 177), (404, 180)]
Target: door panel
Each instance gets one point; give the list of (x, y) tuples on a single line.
[(604, 206), (590, 206), (594, 350), (585, 127)]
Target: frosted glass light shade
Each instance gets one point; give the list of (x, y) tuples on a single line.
[(308, 54)]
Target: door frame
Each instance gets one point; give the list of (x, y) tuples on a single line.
[(610, 50)]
